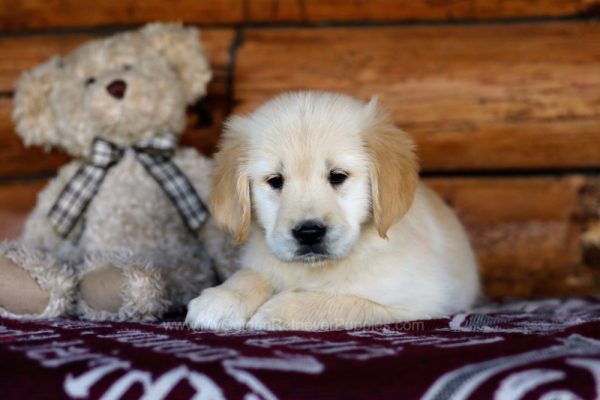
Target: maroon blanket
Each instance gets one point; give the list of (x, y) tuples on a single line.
[(547, 349)]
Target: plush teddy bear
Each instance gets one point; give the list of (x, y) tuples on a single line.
[(122, 231)]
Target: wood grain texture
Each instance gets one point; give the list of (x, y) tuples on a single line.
[(523, 96), (526, 231), (16, 201), (315, 11), (49, 14), (43, 14)]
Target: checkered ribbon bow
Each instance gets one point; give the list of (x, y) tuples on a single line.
[(155, 155)]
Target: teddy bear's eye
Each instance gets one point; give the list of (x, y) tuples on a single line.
[(90, 81), (126, 67)]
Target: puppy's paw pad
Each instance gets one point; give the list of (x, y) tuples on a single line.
[(216, 309)]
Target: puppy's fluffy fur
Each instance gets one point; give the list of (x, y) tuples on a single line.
[(388, 249)]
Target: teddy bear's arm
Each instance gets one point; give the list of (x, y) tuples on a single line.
[(38, 231), (219, 244), (221, 248)]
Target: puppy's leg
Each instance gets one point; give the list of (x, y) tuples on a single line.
[(230, 305), (317, 311)]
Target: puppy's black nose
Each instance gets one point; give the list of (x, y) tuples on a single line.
[(117, 88), (309, 232)]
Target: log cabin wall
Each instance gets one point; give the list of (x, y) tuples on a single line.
[(502, 97)]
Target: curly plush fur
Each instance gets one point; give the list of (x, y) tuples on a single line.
[(130, 225)]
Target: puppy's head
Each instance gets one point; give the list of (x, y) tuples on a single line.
[(311, 168)]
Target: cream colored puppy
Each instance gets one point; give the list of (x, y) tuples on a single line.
[(339, 232)]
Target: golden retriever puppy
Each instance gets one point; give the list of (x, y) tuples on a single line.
[(339, 232)]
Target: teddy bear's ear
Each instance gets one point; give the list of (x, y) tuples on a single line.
[(32, 113), (182, 48)]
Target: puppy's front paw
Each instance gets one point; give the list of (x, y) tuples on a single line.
[(217, 309), (277, 314), (264, 320)]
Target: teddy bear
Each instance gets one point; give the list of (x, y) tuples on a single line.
[(122, 232)]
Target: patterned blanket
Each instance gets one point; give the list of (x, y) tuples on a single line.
[(546, 349)]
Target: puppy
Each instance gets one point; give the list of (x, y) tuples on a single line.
[(339, 232)]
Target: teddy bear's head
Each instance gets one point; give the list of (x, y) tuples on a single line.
[(126, 88)]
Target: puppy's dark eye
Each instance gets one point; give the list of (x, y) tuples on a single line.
[(275, 181), (90, 81), (126, 67), (337, 177)]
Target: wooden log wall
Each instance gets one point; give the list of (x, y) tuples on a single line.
[(501, 96)]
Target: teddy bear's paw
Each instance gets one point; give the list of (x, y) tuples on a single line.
[(217, 309), (20, 293), (101, 289), (118, 287), (33, 283)]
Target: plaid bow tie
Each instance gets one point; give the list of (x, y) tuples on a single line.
[(154, 154)]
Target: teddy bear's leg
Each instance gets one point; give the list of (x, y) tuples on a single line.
[(121, 287), (33, 283)]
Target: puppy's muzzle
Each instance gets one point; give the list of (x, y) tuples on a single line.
[(309, 233)]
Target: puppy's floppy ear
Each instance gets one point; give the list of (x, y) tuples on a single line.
[(394, 168), (182, 48), (230, 198), (32, 114)]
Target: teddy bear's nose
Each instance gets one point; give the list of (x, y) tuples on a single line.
[(117, 88)]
